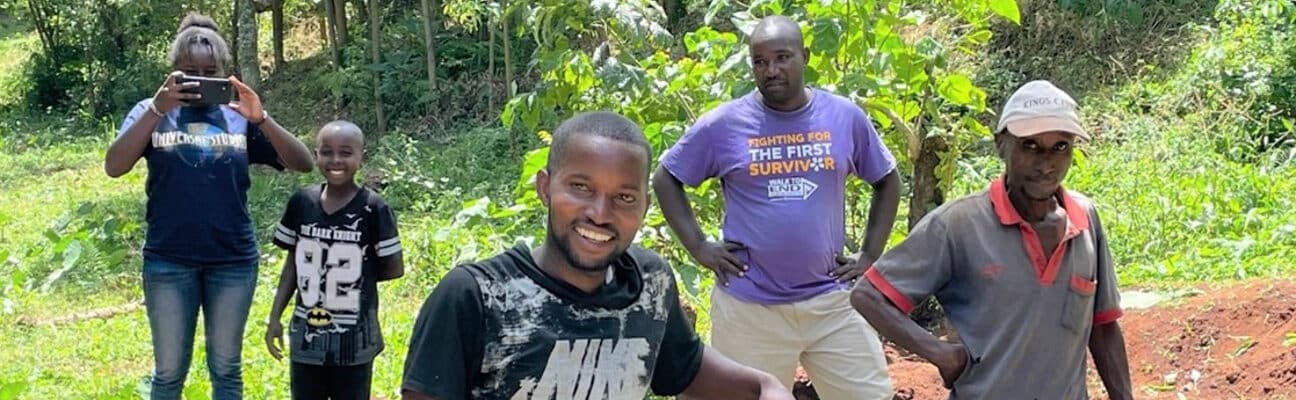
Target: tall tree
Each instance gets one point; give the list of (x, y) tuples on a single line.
[(40, 15), (340, 22), (249, 64), (277, 26), (375, 53), (507, 31), (490, 66), (431, 24), (362, 10), (330, 17), (233, 36)]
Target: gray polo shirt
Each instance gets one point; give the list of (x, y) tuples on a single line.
[(1024, 316)]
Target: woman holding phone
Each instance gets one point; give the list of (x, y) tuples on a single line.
[(200, 250)]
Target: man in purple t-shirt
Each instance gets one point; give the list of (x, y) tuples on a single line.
[(783, 154)]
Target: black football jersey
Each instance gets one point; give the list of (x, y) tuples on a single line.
[(335, 321)]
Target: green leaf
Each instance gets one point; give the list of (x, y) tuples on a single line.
[(506, 116), (1246, 343), (117, 257), (72, 254), (811, 75), (930, 49), (19, 279), (472, 209), (509, 212), (736, 58), (1007, 9), (53, 236), (1161, 388), (10, 391), (825, 37), (715, 8), (744, 21), (531, 115), (956, 88), (978, 37), (653, 133), (534, 161)]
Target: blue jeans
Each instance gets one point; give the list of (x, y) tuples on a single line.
[(173, 293)]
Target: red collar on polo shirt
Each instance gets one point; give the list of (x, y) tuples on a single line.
[(1077, 222)]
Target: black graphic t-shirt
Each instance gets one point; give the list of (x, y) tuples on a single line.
[(503, 329), (197, 184), (338, 255)]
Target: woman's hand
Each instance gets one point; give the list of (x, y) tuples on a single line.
[(248, 104), (171, 95)]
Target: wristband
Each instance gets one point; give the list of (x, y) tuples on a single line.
[(153, 108), (264, 116)]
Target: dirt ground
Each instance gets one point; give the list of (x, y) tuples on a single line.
[(1227, 342)]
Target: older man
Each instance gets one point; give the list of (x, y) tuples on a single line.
[(1022, 270)]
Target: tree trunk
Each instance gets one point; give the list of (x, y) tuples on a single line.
[(249, 63), (375, 53), (331, 21), (507, 31), (324, 30), (277, 23), (340, 22), (233, 36), (490, 66), (362, 10), (431, 24), (40, 17), (926, 193), (926, 196)]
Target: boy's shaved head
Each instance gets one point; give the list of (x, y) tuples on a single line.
[(342, 127)]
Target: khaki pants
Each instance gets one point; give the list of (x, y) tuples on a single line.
[(839, 350)]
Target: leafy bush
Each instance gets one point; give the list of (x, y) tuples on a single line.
[(1244, 79), (100, 57)]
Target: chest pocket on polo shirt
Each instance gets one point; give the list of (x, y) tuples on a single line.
[(1081, 284)]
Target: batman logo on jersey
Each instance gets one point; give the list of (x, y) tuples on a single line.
[(318, 317)]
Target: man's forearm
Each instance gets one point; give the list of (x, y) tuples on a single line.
[(675, 207), (895, 325), (882, 215), (721, 378), (1107, 345)]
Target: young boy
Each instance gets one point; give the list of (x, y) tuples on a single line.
[(343, 241)]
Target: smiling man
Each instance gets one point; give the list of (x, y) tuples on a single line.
[(1021, 269), (584, 316), (783, 154)]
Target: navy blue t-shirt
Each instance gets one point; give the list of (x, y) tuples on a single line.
[(197, 184)]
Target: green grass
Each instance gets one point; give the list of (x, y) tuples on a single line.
[(108, 358)]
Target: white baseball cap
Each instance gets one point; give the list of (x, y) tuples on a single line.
[(1038, 107)]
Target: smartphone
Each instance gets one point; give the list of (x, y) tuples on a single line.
[(213, 90)]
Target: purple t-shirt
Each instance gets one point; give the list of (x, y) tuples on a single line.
[(784, 178)]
